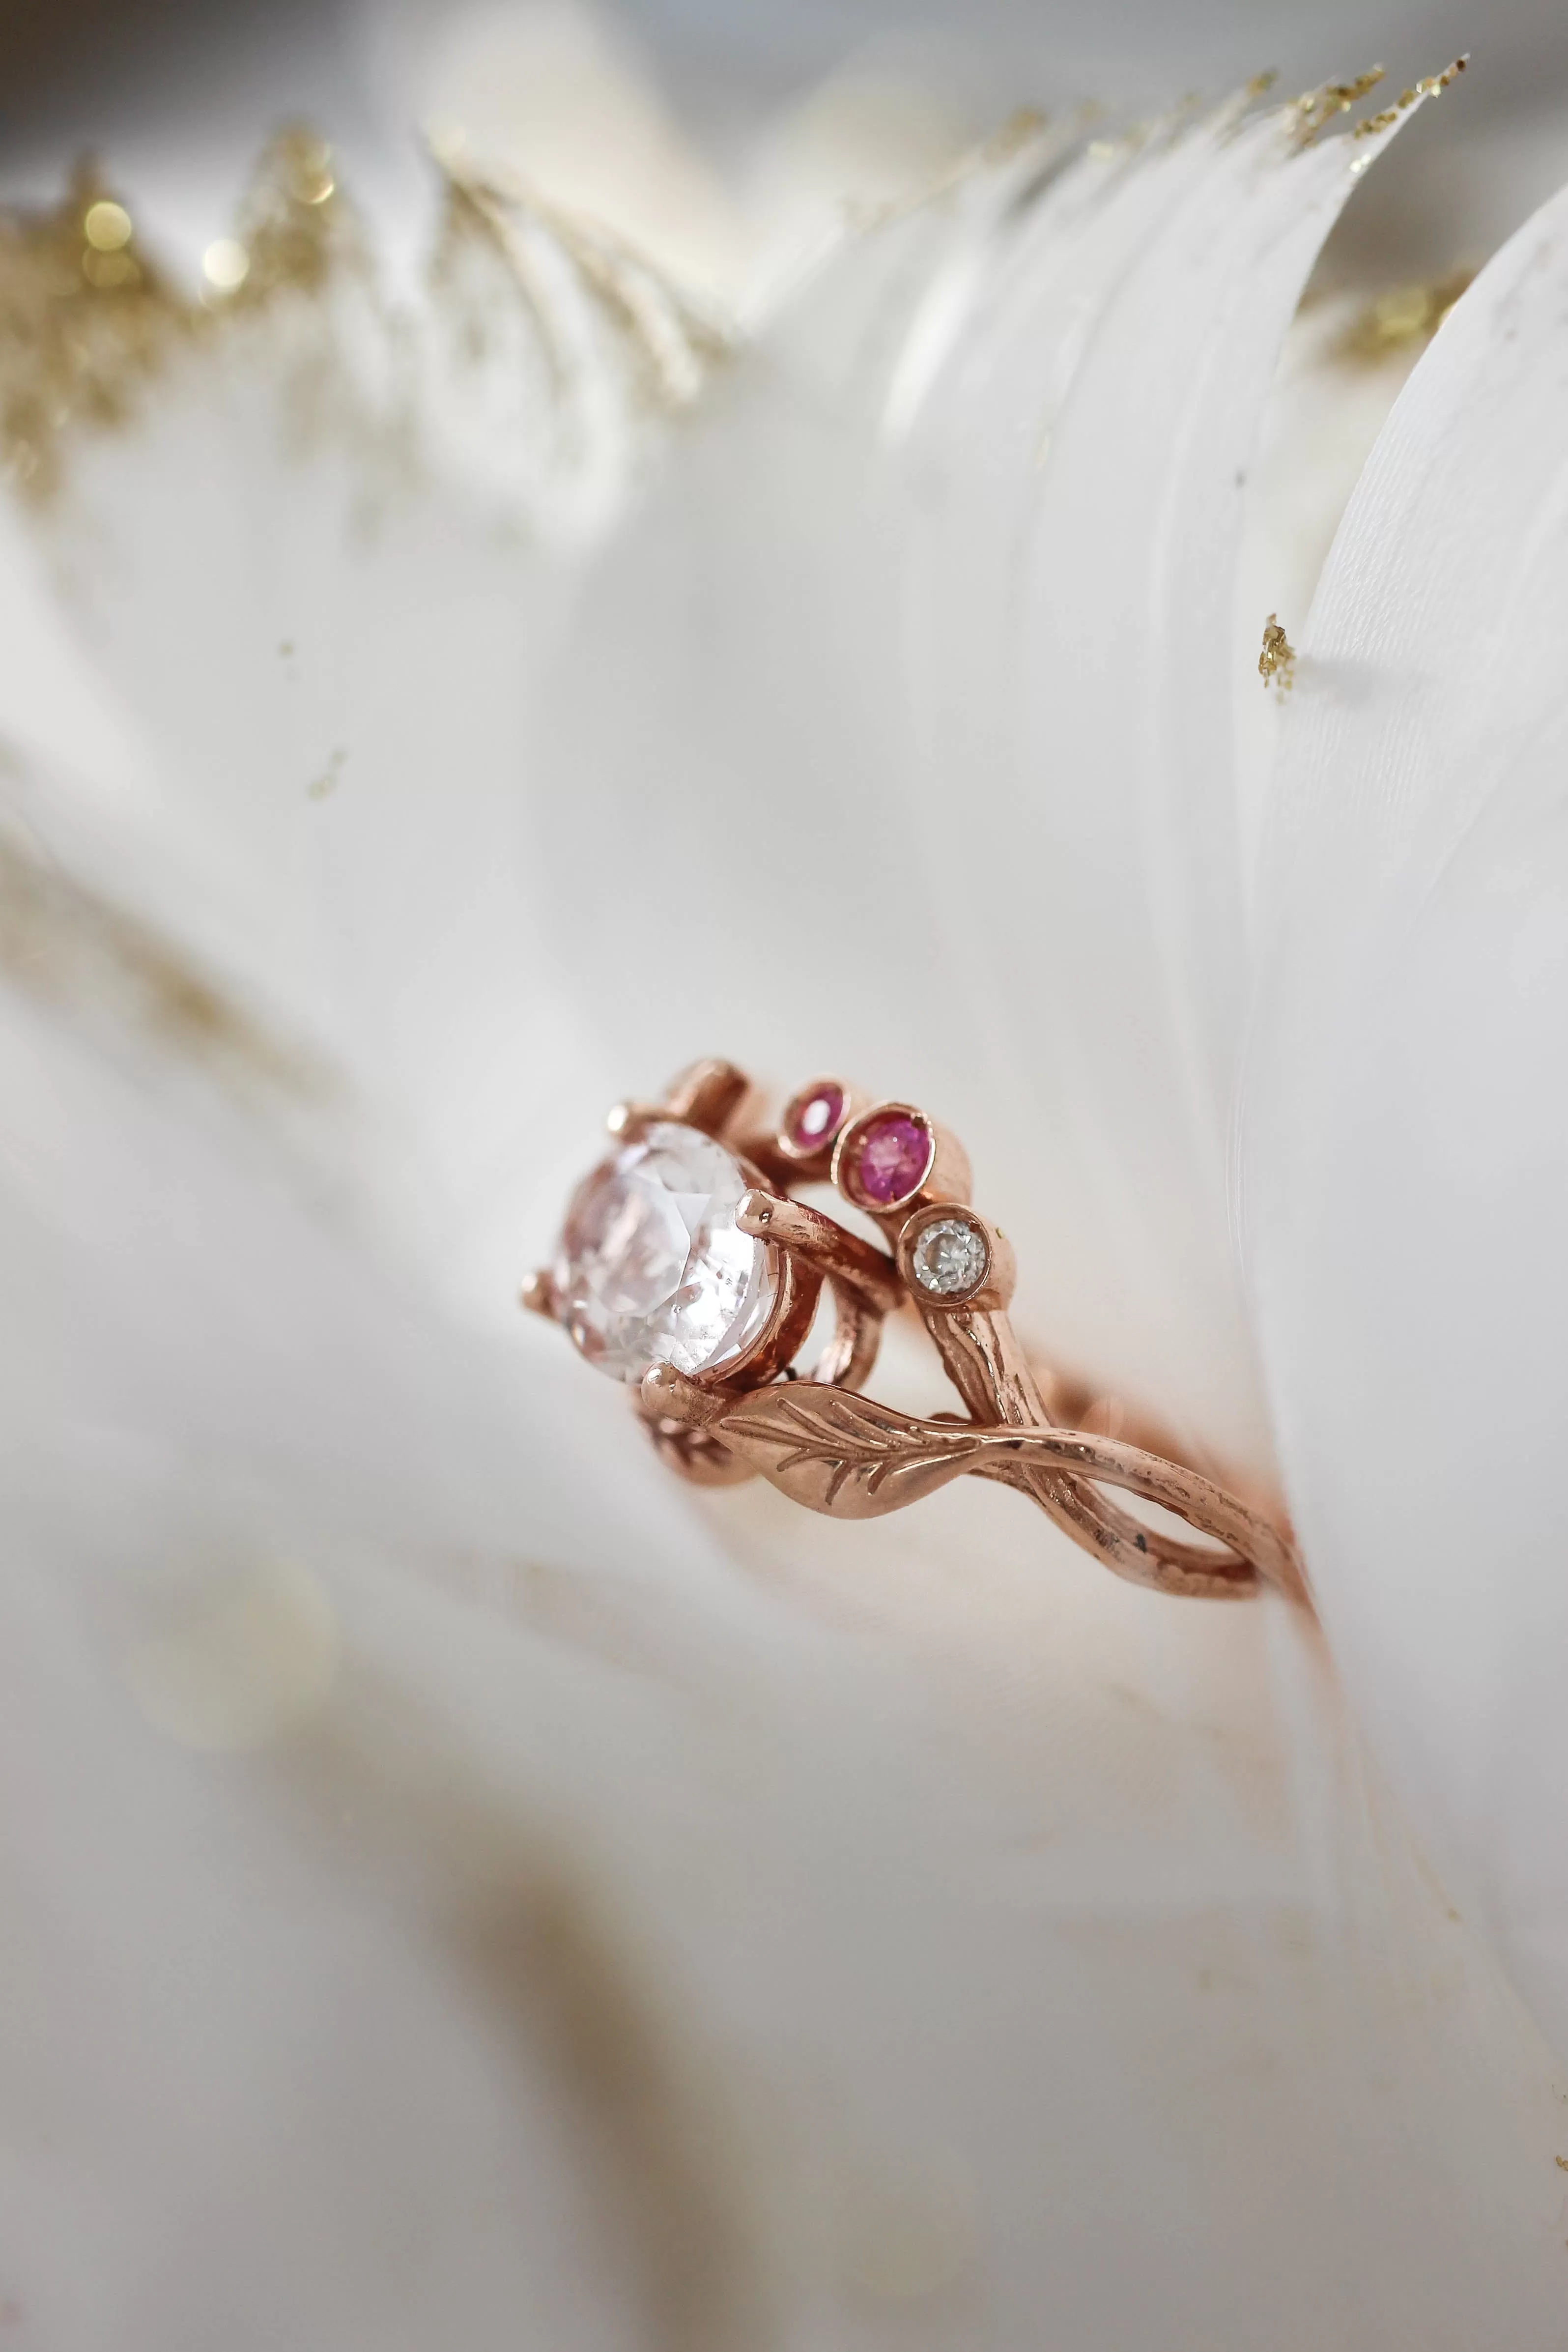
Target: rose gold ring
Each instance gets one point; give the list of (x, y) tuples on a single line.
[(686, 1268)]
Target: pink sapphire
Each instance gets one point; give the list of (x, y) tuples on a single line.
[(815, 1116), (894, 1154)]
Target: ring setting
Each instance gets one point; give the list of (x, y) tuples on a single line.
[(687, 1269)]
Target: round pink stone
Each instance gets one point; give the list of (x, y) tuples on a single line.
[(892, 1158), (816, 1115)]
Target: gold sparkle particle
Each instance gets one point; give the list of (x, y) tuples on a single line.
[(1315, 108), (1404, 315), (668, 341), (1430, 86), (1022, 126), (86, 318), (291, 227), (1277, 662), (109, 271), (64, 944), (225, 265), (331, 776), (106, 225)]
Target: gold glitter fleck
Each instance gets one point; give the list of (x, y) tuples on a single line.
[(107, 226), (1404, 315), (1277, 662), (331, 777), (82, 324), (1316, 107), (86, 318), (1432, 86), (1436, 84), (668, 342), (1021, 127), (64, 943), (107, 271), (225, 265), (293, 229)]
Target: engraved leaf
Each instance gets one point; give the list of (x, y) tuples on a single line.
[(836, 1452)]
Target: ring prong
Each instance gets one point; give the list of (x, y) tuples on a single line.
[(756, 1212), (770, 1216), (707, 1096), (627, 1119), (664, 1394), (539, 1295)]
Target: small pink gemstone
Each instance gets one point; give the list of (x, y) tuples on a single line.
[(816, 1116), (892, 1156)]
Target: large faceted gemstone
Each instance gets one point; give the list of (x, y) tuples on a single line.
[(654, 1269)]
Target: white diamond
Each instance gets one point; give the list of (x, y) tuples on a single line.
[(949, 1257), (652, 1268)]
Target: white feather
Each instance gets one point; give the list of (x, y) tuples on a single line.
[(945, 596), (469, 1891), (1408, 1143)]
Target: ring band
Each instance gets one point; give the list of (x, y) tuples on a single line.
[(687, 1269)]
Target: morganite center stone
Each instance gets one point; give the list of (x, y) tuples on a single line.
[(652, 1268), (892, 1156)]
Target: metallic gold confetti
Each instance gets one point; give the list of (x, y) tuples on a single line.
[(87, 319), (1404, 316), (225, 265), (1433, 86), (84, 319), (1277, 662), (1316, 107), (107, 226)]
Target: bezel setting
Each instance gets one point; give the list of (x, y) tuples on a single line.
[(992, 1286), (806, 1144)]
